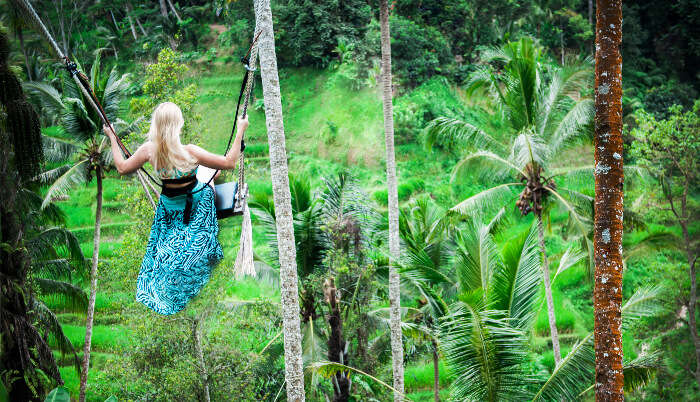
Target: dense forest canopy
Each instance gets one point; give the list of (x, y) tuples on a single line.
[(493, 121)]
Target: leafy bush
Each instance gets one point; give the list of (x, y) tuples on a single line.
[(309, 30), (417, 52), (658, 100), (164, 83)]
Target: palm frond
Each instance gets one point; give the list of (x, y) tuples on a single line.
[(73, 298), (484, 353), (313, 345), (476, 256), (77, 120), (57, 238), (57, 150), (575, 371), (74, 175), (570, 258), (643, 303), (114, 93), (330, 369), (48, 323), (571, 375), (517, 283), (48, 97), (572, 125), (639, 372), (487, 163), (529, 149), (496, 196), (451, 129)]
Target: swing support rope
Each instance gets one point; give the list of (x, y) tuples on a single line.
[(84, 84)]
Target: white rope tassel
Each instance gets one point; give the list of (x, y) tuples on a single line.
[(244, 260)]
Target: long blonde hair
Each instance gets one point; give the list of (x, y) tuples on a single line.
[(166, 125)]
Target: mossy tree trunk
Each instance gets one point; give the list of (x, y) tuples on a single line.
[(609, 179)]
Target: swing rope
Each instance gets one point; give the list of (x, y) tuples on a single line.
[(83, 83)]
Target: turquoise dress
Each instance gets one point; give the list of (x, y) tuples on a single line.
[(179, 256)]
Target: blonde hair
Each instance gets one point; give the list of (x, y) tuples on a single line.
[(166, 125)]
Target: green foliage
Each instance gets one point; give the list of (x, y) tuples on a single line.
[(668, 148), (164, 83), (658, 100), (309, 31)]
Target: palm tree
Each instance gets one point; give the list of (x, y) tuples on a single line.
[(55, 255), (393, 206), (279, 173), (483, 334), (330, 230), (425, 232), (24, 349), (545, 117), (609, 179), (87, 154)]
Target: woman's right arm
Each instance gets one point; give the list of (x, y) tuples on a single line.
[(214, 161), (135, 161)]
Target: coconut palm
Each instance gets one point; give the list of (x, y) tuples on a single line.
[(86, 155), (546, 116), (425, 231), (483, 334)]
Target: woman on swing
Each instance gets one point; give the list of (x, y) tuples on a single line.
[(183, 246)]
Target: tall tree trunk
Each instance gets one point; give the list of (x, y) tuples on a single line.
[(554, 333), (394, 280), (93, 286), (609, 179), (683, 219), (20, 36), (172, 8), (436, 372), (279, 173), (131, 23), (130, 10), (204, 377), (590, 12), (336, 343), (163, 9)]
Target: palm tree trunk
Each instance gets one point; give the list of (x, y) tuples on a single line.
[(93, 287), (436, 372), (172, 7), (394, 280), (20, 36), (163, 9), (204, 377), (131, 24), (279, 173), (548, 292), (609, 179)]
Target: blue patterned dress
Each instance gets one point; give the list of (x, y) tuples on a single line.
[(179, 257)]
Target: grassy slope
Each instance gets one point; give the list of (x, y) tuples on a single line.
[(329, 128)]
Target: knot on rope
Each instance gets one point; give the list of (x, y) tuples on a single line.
[(72, 67)]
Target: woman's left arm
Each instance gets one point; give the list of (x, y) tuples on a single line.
[(134, 162)]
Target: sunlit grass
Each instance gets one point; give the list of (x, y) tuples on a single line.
[(104, 338)]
